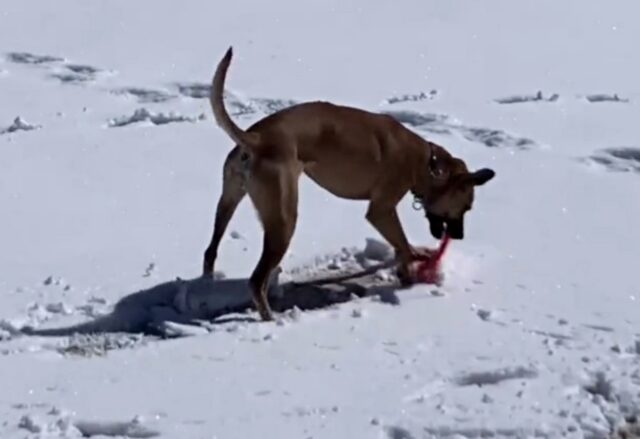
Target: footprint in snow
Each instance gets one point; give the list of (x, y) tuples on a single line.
[(145, 115), (395, 432), (436, 123), (459, 432), (194, 90), (149, 270), (488, 315), (484, 314), (483, 432), (519, 99), (269, 106), (539, 97), (496, 376), (412, 97), (99, 345), (237, 106), (53, 280), (59, 308), (256, 106), (19, 124), (618, 159), (67, 73), (601, 328), (603, 97), (442, 124), (32, 59), (78, 73), (64, 426), (495, 138), (145, 95)]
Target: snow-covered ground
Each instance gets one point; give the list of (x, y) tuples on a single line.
[(110, 168)]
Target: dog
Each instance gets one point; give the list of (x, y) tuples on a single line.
[(352, 153)]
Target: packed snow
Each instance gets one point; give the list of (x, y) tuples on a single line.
[(110, 168)]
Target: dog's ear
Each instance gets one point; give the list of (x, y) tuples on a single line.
[(480, 177)]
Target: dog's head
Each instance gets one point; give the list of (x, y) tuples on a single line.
[(447, 193)]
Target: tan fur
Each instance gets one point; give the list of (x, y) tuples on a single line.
[(352, 153)]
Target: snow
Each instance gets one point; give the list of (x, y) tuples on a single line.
[(106, 329)]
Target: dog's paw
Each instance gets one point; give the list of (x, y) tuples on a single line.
[(421, 253), (405, 278)]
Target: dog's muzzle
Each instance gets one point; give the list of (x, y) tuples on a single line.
[(455, 229), (438, 225)]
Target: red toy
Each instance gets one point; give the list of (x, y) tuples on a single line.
[(428, 270)]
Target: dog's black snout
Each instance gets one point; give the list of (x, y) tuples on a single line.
[(436, 231), (436, 225), (455, 229)]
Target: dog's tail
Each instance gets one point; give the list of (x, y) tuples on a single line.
[(224, 121)]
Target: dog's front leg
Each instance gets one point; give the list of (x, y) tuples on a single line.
[(384, 218)]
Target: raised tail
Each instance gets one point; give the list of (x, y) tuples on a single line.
[(224, 121)]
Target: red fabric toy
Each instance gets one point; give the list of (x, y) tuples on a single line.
[(428, 270)]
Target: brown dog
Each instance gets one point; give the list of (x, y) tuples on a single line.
[(354, 154)]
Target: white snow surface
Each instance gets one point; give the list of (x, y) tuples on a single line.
[(535, 331)]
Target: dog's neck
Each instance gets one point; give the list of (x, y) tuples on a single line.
[(424, 183)]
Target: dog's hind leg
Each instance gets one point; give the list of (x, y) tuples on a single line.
[(233, 191), (274, 192)]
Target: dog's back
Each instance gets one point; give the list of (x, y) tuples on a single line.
[(319, 127)]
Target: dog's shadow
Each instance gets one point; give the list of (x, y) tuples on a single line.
[(216, 301)]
